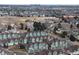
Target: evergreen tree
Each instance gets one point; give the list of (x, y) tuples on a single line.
[(72, 38)]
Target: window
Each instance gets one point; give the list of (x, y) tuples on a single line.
[(60, 44), (9, 35), (10, 43), (46, 34), (42, 33), (4, 36), (40, 39), (19, 35), (38, 33), (35, 46), (34, 33), (40, 46), (55, 53), (31, 34), (52, 46), (56, 44), (0, 36), (33, 40), (37, 39), (16, 42), (13, 35), (25, 40), (27, 35), (16, 35), (44, 46)]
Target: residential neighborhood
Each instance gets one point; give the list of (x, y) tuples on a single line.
[(39, 30)]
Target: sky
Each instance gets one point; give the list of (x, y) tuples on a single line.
[(43, 2)]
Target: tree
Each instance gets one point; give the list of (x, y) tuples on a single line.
[(9, 27), (75, 17), (63, 19), (49, 45), (43, 26), (55, 29), (71, 26), (22, 46), (35, 26), (28, 29), (21, 26), (5, 46), (72, 38), (59, 25), (25, 27), (39, 26), (78, 25), (64, 34)]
